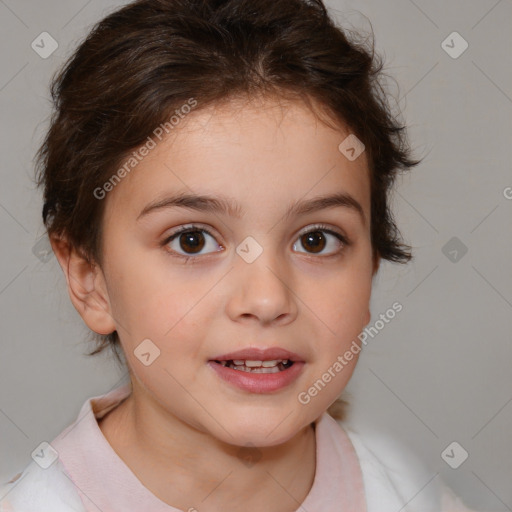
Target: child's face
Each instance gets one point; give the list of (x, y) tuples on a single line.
[(310, 298)]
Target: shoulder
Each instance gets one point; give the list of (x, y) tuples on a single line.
[(395, 478), (40, 490), (52, 489)]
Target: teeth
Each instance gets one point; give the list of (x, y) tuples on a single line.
[(272, 366), (273, 369), (258, 364), (253, 364)]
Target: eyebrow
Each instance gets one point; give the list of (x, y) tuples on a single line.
[(220, 204)]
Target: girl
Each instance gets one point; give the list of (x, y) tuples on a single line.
[(215, 179)]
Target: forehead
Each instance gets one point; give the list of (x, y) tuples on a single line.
[(261, 152)]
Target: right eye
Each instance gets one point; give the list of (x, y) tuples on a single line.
[(191, 240)]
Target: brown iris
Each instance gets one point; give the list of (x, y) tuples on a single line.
[(314, 240), (192, 241)]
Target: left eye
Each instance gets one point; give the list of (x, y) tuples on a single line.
[(317, 239)]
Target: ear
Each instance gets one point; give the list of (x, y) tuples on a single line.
[(86, 286)]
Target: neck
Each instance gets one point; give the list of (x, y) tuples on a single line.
[(208, 474)]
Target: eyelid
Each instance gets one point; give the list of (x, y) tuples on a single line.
[(188, 227), (328, 229)]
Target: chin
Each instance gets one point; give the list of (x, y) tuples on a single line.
[(259, 428)]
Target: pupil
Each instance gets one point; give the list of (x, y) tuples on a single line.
[(311, 238), (194, 240)]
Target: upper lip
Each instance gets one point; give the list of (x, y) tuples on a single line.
[(259, 354)]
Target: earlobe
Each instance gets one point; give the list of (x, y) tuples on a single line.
[(86, 287)]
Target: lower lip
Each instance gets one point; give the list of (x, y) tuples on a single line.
[(258, 382)]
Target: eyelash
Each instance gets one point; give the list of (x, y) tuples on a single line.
[(195, 227)]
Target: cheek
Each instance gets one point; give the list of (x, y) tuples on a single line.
[(341, 303), (159, 302)]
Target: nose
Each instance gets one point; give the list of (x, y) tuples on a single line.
[(262, 291)]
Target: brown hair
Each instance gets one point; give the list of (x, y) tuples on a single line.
[(145, 60)]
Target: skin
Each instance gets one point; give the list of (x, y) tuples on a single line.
[(182, 423)]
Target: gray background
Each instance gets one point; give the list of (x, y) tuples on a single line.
[(440, 371)]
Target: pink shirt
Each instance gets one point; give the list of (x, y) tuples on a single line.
[(105, 483)]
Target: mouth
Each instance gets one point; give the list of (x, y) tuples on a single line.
[(258, 370), (253, 366)]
